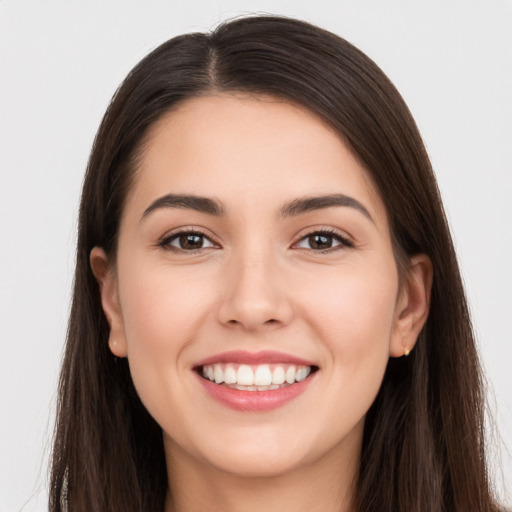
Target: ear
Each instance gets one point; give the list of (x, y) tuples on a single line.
[(105, 274), (412, 306)]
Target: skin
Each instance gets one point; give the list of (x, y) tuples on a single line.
[(257, 284)]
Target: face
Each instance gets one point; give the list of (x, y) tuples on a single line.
[(255, 291)]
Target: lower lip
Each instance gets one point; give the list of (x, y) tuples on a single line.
[(254, 401)]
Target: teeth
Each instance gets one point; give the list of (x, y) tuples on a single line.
[(278, 375), (229, 374), (218, 374), (290, 374), (244, 375), (262, 377), (302, 373)]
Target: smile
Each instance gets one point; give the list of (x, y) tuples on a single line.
[(263, 377), (255, 382)]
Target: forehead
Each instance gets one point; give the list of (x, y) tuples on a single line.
[(248, 150)]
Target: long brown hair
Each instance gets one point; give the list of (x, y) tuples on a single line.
[(423, 446)]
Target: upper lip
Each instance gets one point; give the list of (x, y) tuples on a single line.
[(254, 358)]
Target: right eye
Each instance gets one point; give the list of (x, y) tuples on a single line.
[(187, 241)]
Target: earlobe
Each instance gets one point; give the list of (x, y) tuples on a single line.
[(105, 275), (412, 306), (116, 348)]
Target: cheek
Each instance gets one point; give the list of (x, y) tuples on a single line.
[(348, 312), (352, 317), (162, 307), (163, 310), (353, 302)]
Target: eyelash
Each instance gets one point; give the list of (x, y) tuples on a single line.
[(343, 242), (165, 243)]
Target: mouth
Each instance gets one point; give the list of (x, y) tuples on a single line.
[(254, 378), (255, 382)]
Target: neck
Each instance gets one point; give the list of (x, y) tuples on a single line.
[(325, 485)]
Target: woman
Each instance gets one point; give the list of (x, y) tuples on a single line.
[(267, 310)]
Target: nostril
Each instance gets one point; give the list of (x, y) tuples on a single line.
[(271, 321)]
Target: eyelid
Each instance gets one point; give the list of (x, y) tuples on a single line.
[(345, 241), (164, 241)]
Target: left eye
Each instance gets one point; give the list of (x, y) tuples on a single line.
[(188, 241), (322, 241)]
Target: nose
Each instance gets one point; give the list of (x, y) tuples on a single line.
[(254, 295)]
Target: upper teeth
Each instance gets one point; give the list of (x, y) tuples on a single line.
[(257, 375)]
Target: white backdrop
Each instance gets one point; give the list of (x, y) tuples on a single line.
[(60, 62)]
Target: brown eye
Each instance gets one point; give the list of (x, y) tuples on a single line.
[(190, 241), (323, 241), (187, 241), (320, 242)]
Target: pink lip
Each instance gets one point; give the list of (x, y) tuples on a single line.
[(244, 357), (255, 401)]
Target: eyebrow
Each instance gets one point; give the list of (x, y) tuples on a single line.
[(309, 204), (187, 202), (293, 208)]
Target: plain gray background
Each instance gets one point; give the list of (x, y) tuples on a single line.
[(60, 63)]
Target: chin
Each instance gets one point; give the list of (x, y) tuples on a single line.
[(250, 453), (258, 463)]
